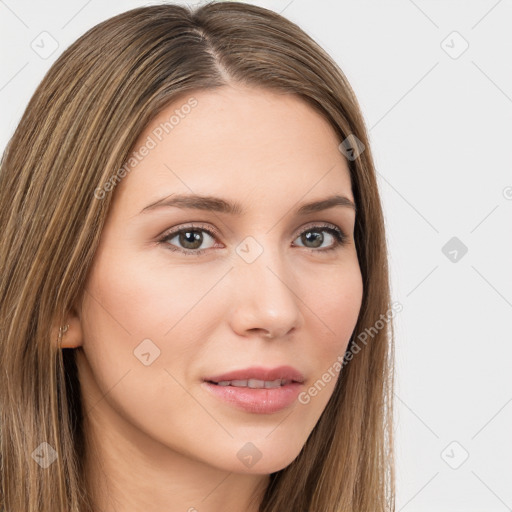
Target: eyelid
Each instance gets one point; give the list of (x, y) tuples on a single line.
[(322, 224)]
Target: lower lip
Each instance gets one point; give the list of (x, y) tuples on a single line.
[(259, 401)]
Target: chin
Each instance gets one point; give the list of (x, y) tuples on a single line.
[(266, 465)]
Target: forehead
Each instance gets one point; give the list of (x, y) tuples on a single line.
[(255, 141)]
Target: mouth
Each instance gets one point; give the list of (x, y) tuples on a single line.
[(254, 383), (257, 390)]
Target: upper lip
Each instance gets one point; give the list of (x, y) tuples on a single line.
[(287, 373)]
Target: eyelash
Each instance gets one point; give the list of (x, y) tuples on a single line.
[(339, 235)]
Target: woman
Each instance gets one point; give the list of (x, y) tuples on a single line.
[(193, 255)]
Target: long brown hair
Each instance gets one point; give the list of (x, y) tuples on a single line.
[(75, 134)]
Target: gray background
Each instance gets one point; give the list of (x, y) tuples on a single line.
[(439, 117)]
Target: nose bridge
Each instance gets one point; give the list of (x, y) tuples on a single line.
[(265, 297)]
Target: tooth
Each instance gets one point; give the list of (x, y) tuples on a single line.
[(255, 383)]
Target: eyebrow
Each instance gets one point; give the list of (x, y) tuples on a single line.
[(217, 204)]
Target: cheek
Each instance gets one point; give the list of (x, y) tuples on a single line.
[(141, 297), (134, 314), (136, 299), (336, 305)]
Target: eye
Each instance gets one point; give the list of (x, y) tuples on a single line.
[(192, 237), (313, 235)]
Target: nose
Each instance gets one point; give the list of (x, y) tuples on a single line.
[(264, 299)]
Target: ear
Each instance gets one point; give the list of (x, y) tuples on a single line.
[(73, 337)]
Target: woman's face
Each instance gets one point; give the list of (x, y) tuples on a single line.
[(164, 311)]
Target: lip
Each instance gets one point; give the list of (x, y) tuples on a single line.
[(254, 400), (258, 401), (288, 373)]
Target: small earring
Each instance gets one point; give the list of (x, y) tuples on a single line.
[(62, 330)]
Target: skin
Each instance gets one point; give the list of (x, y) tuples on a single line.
[(157, 440)]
